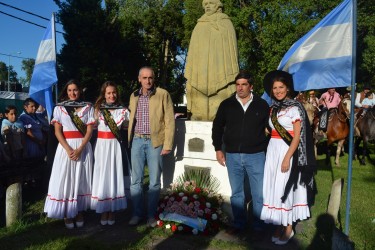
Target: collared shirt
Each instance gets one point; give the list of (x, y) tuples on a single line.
[(142, 115), (368, 101), (330, 101), (247, 104)]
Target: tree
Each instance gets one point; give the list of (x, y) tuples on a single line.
[(28, 67), (160, 26), (111, 40), (366, 42), (95, 49), (5, 70)]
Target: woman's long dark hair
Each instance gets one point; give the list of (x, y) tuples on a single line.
[(286, 83), (64, 92)]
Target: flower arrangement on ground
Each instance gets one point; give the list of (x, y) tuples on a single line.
[(192, 204)]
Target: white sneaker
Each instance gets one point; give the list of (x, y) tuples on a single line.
[(283, 242), (134, 220)]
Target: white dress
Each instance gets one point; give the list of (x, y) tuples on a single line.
[(108, 190), (69, 189), (295, 206)]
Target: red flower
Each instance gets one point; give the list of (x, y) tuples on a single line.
[(197, 190), (160, 223), (174, 228)]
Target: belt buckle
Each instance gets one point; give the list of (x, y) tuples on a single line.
[(142, 136)]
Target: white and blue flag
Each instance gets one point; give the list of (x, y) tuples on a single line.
[(44, 74), (323, 57)]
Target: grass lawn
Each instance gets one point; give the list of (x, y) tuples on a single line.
[(362, 212), (35, 231)]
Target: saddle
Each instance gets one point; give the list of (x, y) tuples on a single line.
[(323, 120)]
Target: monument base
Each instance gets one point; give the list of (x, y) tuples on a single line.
[(194, 149)]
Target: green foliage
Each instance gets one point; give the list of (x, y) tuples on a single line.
[(199, 178), (193, 11), (96, 50), (28, 67), (3, 71), (365, 42), (112, 39)]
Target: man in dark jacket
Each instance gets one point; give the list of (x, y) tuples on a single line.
[(240, 127)]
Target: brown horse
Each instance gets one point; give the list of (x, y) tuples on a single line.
[(337, 130), (365, 125)]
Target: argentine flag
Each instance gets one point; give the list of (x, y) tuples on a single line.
[(323, 57), (44, 74)]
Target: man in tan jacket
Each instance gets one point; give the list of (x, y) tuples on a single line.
[(151, 134)]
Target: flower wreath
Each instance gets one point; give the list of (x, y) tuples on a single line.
[(192, 204)]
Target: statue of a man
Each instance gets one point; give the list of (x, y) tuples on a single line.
[(212, 62)]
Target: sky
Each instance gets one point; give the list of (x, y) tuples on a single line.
[(19, 36)]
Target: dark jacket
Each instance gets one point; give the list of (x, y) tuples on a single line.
[(241, 132)]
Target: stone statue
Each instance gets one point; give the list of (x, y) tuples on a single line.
[(212, 62)]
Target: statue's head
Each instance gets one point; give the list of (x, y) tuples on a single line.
[(212, 6)]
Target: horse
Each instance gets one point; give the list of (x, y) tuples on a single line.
[(365, 125), (311, 110), (337, 129)]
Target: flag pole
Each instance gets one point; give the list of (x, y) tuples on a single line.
[(54, 36), (351, 132)]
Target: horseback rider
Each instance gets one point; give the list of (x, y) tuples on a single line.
[(312, 99), (328, 100), (361, 96), (362, 102)]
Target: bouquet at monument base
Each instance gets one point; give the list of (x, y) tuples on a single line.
[(192, 205)]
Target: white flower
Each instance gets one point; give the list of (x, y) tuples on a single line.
[(214, 216), (195, 231), (195, 196), (181, 194), (208, 204), (185, 198), (180, 228), (168, 226)]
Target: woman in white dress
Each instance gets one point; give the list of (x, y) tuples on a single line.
[(108, 190), (288, 163), (69, 190)]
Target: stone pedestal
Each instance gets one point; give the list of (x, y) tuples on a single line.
[(193, 149), (13, 203)]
